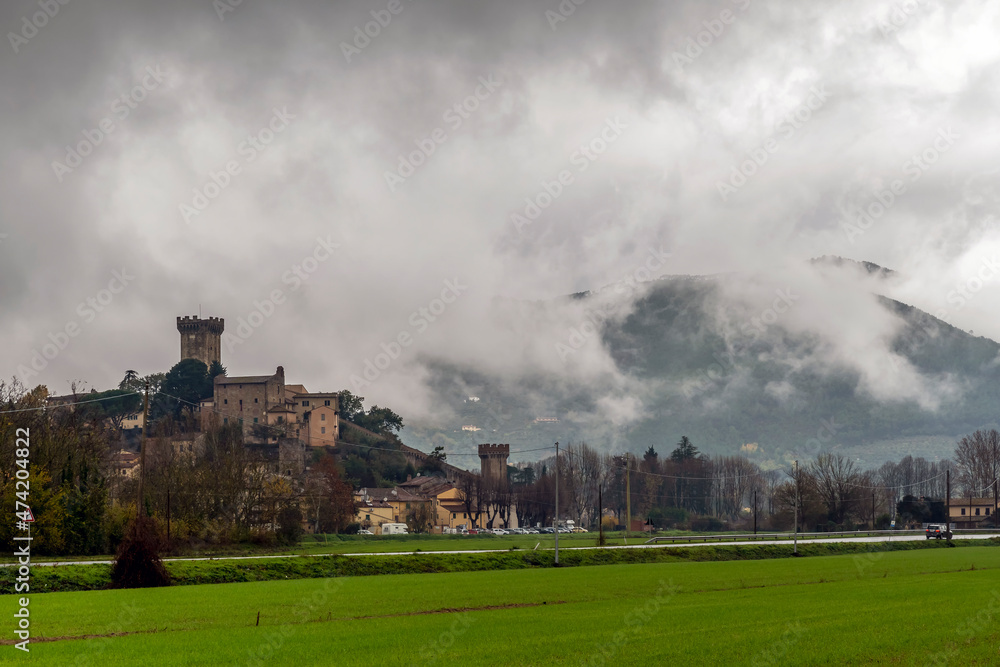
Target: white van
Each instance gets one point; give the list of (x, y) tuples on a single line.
[(394, 529)]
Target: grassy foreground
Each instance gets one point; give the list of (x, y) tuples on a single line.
[(931, 606), (183, 573)]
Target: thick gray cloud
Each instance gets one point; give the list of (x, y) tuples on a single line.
[(841, 98)]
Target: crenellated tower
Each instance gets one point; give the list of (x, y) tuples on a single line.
[(493, 460), (201, 339)]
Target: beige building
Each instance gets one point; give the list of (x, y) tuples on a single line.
[(400, 502), (125, 464), (971, 512), (289, 409)]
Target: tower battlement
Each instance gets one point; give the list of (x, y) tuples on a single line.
[(201, 339), (193, 324), (493, 461)]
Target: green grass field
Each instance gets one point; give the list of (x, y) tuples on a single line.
[(933, 606)]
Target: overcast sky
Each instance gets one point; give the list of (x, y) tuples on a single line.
[(626, 124)]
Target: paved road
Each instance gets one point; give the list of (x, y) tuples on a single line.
[(827, 540)]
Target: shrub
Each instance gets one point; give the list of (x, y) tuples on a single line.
[(137, 562)]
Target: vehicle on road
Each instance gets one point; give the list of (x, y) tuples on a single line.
[(937, 530), (365, 532)]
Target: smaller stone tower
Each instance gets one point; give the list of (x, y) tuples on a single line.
[(201, 339), (493, 459)]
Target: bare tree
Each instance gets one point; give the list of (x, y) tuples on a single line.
[(977, 458)]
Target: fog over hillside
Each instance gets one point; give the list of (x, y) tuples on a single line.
[(579, 214)]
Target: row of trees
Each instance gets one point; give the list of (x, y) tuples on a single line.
[(831, 490)]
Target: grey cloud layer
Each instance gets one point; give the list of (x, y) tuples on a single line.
[(893, 84)]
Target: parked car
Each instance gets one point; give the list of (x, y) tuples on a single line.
[(578, 529), (365, 532), (547, 530), (531, 531)]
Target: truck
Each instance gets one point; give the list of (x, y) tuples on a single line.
[(394, 529)]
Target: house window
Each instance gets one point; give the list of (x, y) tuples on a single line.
[(987, 511), (241, 404), (963, 511), (326, 402), (225, 401), (454, 515), (305, 404), (322, 418), (977, 511), (254, 420), (255, 400), (225, 420), (407, 505), (322, 430), (463, 515)]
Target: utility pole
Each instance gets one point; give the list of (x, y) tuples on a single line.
[(142, 450), (795, 535), (628, 496), (995, 504), (873, 510), (555, 524), (947, 503), (755, 511), (600, 514)]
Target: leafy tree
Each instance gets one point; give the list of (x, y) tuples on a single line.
[(216, 369), (113, 405), (130, 381), (351, 406), (184, 386), (685, 451), (434, 461), (380, 420)]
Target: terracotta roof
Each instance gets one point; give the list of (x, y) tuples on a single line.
[(401, 495), (246, 379)]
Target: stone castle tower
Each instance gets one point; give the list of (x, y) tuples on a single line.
[(493, 459), (201, 339)]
